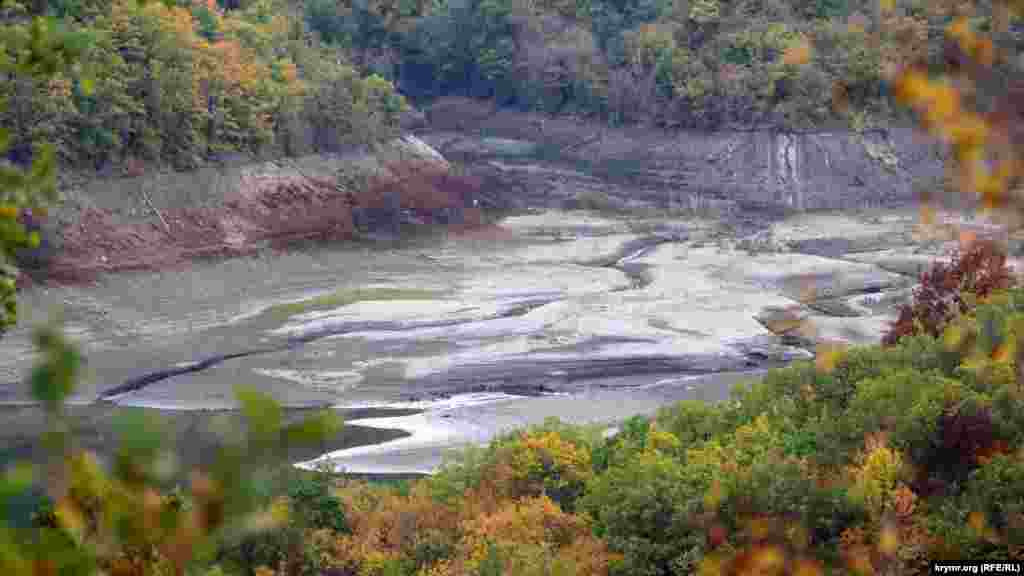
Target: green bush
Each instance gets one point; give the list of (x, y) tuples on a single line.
[(996, 489), (694, 422), (905, 402), (325, 20), (644, 509)]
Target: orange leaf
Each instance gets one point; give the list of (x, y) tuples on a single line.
[(976, 520), (797, 54), (806, 567), (1002, 354), (967, 238), (768, 559)]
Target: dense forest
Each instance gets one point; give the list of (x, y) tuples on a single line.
[(181, 82)]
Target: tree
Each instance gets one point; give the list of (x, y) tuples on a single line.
[(117, 522), (37, 47)]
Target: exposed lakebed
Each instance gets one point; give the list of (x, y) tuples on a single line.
[(587, 317)]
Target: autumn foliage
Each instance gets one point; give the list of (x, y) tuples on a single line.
[(181, 83), (949, 289)]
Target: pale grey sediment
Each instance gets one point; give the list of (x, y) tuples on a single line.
[(548, 323)]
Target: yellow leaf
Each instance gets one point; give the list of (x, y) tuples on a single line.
[(927, 215), (889, 540), (768, 559), (827, 356), (911, 87), (887, 5), (759, 528), (70, 518), (952, 337), (712, 565), (959, 29), (8, 211)]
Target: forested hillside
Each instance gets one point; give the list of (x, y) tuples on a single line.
[(184, 82)]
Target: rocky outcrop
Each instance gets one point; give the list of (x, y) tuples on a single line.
[(760, 169)]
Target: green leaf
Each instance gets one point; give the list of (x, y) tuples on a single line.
[(313, 429), (88, 86), (54, 377), (262, 413), (140, 434), (5, 138), (16, 480)]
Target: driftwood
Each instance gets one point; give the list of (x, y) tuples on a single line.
[(149, 203)]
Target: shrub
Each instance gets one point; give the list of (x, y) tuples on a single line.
[(693, 422), (533, 536), (389, 530), (643, 509), (947, 430), (314, 507), (891, 401), (553, 459), (121, 520), (312, 497), (876, 479), (324, 19), (947, 290), (461, 472), (547, 464), (637, 434), (996, 489)]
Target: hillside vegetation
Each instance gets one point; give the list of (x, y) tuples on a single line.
[(180, 83), (875, 460), (185, 81)]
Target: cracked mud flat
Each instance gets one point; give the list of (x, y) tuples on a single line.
[(570, 314)]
